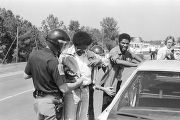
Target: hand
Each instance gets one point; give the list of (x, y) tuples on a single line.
[(95, 62), (168, 52), (110, 91), (71, 73), (105, 62)]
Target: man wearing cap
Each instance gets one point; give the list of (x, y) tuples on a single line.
[(49, 85)]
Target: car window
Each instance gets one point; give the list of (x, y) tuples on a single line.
[(152, 89)]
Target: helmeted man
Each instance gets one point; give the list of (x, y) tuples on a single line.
[(49, 85), (98, 50), (97, 73)]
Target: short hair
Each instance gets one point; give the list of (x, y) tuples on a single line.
[(124, 36), (81, 38), (169, 37)]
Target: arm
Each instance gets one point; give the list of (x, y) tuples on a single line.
[(163, 53), (137, 58), (68, 77), (125, 63), (94, 59), (66, 87), (160, 55), (117, 58), (27, 71), (108, 90)]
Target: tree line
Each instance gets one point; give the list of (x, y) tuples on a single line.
[(14, 30)]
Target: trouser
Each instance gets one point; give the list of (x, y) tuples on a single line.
[(76, 104), (108, 99), (91, 103), (48, 107)]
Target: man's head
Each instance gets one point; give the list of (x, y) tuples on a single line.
[(56, 40), (81, 41), (169, 41), (124, 40), (98, 50)]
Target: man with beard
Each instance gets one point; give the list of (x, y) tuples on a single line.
[(120, 57)]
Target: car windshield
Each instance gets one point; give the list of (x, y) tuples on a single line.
[(152, 89)]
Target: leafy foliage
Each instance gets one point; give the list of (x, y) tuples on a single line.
[(109, 32), (74, 25), (27, 36), (31, 38), (109, 27), (51, 23)]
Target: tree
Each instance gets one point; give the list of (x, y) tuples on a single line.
[(8, 33), (27, 35), (50, 23), (109, 27), (73, 27), (109, 31), (95, 34)]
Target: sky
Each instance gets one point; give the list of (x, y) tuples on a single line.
[(149, 19)]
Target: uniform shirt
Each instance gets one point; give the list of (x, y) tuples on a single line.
[(114, 72), (42, 65)]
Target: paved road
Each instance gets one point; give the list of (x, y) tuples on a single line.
[(16, 101)]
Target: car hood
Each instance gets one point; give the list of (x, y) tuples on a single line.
[(145, 114)]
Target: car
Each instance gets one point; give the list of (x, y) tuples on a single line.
[(152, 92)]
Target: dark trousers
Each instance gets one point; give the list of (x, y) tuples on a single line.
[(108, 99), (91, 103)]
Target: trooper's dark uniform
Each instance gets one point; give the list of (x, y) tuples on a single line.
[(42, 65)]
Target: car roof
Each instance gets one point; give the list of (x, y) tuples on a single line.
[(160, 65)]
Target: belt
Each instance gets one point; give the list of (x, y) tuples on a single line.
[(39, 93)]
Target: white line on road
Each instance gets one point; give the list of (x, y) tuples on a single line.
[(11, 74), (15, 95)]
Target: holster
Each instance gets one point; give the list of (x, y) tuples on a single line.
[(59, 108), (57, 101)]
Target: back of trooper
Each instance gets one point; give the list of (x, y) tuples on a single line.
[(42, 67)]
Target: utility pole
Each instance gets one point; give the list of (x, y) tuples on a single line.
[(36, 41), (102, 38), (17, 45)]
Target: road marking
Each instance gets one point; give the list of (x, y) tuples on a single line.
[(11, 74), (15, 95)]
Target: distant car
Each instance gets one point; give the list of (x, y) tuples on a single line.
[(152, 92)]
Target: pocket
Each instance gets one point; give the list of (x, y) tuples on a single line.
[(46, 107)]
